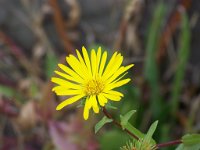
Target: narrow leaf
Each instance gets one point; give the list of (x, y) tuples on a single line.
[(151, 131), (183, 55), (101, 123), (133, 130), (109, 106), (50, 63), (7, 91), (125, 118), (10, 92), (151, 72), (138, 133)]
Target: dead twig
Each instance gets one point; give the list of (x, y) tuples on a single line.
[(170, 28), (60, 26)]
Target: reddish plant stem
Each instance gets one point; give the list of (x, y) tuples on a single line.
[(118, 124), (171, 143), (59, 23), (170, 28)]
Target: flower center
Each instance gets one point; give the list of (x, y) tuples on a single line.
[(94, 87)]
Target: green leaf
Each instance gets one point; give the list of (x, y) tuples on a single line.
[(101, 123), (112, 140), (109, 106), (191, 147), (10, 93), (151, 72), (191, 139), (133, 130), (7, 91), (183, 55), (138, 133), (50, 63), (148, 136), (33, 89), (124, 119), (190, 142), (180, 147), (146, 141)]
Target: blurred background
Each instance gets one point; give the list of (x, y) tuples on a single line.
[(160, 37)]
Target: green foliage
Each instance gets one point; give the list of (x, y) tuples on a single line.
[(112, 140), (126, 117), (110, 106), (134, 130), (183, 55), (101, 123), (143, 145), (148, 136), (129, 146), (130, 101), (34, 89), (145, 142), (164, 133), (150, 70), (190, 142), (50, 63), (126, 125), (192, 147), (191, 139), (10, 92), (7, 91)]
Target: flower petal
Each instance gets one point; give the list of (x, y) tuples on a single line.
[(110, 63), (102, 100), (112, 92), (112, 97), (116, 84), (94, 104), (69, 101), (103, 62), (76, 66), (98, 58), (59, 90), (112, 69), (83, 63), (94, 62), (87, 60), (71, 73), (118, 73), (88, 105), (65, 84), (66, 76)]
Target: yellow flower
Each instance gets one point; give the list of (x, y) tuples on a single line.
[(90, 77)]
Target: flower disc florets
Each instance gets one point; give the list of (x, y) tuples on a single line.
[(94, 87)]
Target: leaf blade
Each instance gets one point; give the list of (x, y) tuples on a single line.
[(101, 123)]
